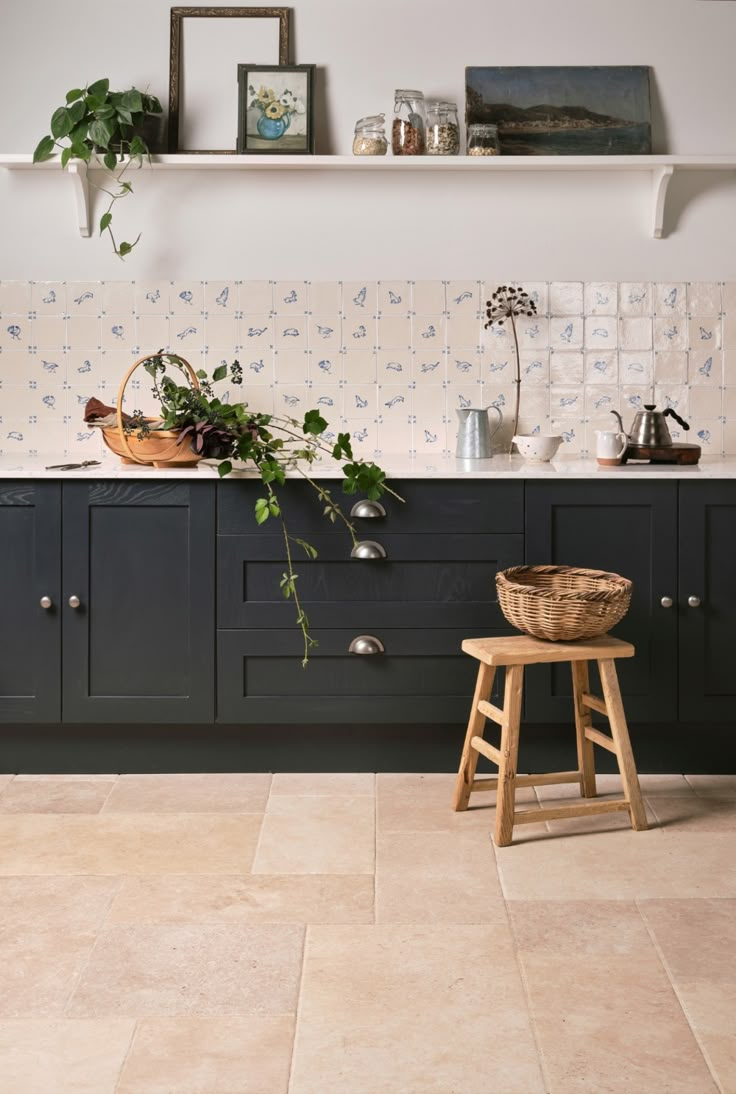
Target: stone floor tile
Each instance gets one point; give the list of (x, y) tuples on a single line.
[(713, 785), (425, 1008), (59, 794), (584, 927), (695, 813), (127, 844), (423, 803), (651, 786), (204, 793), (330, 783), (305, 834), (620, 865), (209, 1056), (710, 1007), (4, 780), (697, 938), (63, 1056), (48, 927), (284, 898), (211, 970)]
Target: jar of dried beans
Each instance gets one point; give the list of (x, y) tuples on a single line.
[(370, 136), (408, 129), (443, 129), (483, 140)]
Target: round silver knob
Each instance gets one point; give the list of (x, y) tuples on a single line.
[(694, 601), (366, 644), (368, 548), (46, 602), (666, 602), (74, 601), (368, 510)]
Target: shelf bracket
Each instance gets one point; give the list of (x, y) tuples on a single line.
[(660, 181), (78, 173)]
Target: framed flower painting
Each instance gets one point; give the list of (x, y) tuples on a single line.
[(275, 109)]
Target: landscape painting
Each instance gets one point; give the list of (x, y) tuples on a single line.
[(563, 111)]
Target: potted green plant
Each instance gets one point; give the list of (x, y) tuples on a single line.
[(109, 124), (230, 431)]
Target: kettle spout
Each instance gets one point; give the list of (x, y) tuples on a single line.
[(620, 422)]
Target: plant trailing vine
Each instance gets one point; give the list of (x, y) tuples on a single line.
[(95, 120), (508, 302), (230, 432)]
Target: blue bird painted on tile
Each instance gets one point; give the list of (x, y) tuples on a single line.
[(49, 366), (256, 366), (325, 332), (499, 401), (463, 366), (329, 436), (603, 400), (532, 332), (636, 296), (118, 331), (568, 400), (568, 435), (706, 367), (84, 296), (393, 402), (566, 334), (256, 332), (83, 399), (635, 366), (635, 400), (671, 298), (601, 298), (430, 438), (186, 332), (360, 402), (51, 298), (537, 429), (85, 436), (221, 297), (49, 400), (671, 332), (464, 402), (532, 367), (361, 434), (463, 296), (86, 367), (704, 435), (14, 435), (326, 400), (359, 298), (187, 296), (499, 366), (393, 297), (291, 332), (291, 298), (429, 366), (14, 331), (325, 365), (291, 400), (153, 295), (600, 365), (360, 332), (430, 332), (670, 403), (705, 335), (394, 366), (600, 332)]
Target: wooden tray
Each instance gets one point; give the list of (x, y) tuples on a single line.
[(669, 453)]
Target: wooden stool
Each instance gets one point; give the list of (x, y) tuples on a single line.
[(514, 653)]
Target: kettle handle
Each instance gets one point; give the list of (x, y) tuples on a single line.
[(500, 418), (676, 416)]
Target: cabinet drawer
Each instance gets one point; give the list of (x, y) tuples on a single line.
[(425, 581), (422, 677), (428, 506)]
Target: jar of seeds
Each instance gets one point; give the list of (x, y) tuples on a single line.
[(443, 129), (370, 136), (408, 129), (483, 140)]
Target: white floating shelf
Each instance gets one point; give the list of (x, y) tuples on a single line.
[(660, 169)]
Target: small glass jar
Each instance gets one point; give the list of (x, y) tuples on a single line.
[(443, 129), (408, 129), (483, 140), (370, 136)]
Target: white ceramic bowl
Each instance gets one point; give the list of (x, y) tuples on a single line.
[(537, 447)]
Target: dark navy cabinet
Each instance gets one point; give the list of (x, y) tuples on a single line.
[(129, 569), (30, 589)]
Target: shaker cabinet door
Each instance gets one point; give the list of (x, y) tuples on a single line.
[(30, 578), (139, 566), (629, 528), (707, 601)]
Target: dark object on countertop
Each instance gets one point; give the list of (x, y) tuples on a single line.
[(666, 453), (72, 466), (98, 414)]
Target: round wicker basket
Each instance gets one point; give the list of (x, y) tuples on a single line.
[(561, 603)]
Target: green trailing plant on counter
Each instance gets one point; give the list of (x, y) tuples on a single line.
[(97, 121), (508, 302), (230, 432)]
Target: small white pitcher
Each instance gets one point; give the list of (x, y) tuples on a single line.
[(610, 447)]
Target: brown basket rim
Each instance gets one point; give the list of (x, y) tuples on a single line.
[(617, 586)]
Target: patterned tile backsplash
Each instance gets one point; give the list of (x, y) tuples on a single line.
[(389, 361)]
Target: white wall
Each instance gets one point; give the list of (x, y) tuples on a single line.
[(209, 225)]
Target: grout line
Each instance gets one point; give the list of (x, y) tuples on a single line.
[(129, 1049), (680, 1000), (298, 1004)]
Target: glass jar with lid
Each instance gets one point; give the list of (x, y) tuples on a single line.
[(408, 129), (370, 136), (483, 140), (443, 129)]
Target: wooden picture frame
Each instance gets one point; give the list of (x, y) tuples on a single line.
[(204, 121), (275, 110)]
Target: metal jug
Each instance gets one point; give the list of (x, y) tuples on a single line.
[(649, 427), (474, 432)]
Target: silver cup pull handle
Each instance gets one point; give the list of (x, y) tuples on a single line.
[(368, 510), (368, 548), (74, 601), (366, 644), (46, 602)]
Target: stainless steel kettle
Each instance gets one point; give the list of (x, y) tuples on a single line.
[(649, 427)]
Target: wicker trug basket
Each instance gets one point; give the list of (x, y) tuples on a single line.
[(561, 603)]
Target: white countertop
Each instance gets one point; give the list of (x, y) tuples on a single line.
[(395, 466)]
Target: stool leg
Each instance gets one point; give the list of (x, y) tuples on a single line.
[(476, 728), (509, 753), (620, 735), (583, 719)]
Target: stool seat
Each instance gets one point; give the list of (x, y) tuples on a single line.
[(513, 653), (522, 649)]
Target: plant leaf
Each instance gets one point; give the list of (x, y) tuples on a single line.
[(224, 468), (100, 132), (44, 149), (110, 161), (76, 112), (75, 93), (132, 101), (220, 373), (99, 88), (61, 123), (105, 222), (66, 155)]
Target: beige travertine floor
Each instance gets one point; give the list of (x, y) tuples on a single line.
[(349, 934)]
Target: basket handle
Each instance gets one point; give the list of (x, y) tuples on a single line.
[(182, 364)]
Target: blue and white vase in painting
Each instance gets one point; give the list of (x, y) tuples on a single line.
[(272, 128)]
